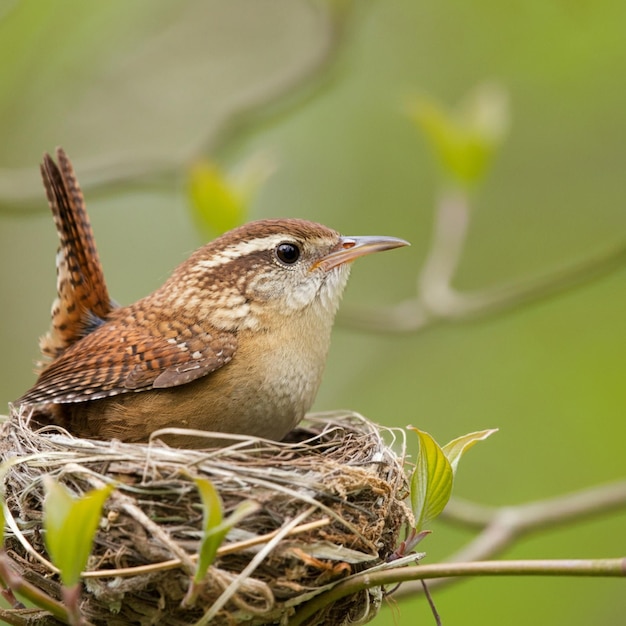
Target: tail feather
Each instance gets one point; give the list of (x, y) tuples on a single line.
[(82, 294)]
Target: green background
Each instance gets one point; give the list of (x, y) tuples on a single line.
[(135, 91)]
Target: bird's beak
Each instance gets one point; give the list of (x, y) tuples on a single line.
[(350, 248)]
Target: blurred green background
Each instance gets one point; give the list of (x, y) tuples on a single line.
[(136, 92)]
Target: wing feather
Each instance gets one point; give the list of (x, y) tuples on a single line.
[(116, 359)]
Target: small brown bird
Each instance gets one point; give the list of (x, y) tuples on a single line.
[(235, 341)]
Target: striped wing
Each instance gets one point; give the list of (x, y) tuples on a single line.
[(116, 359)]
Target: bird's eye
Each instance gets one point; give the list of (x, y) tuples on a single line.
[(288, 253)]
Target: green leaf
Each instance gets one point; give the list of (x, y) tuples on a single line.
[(214, 526), (459, 446), (216, 204), (431, 483), (213, 515), (464, 141), (219, 201), (70, 525)]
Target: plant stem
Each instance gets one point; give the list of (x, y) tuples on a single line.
[(541, 567), (13, 580)]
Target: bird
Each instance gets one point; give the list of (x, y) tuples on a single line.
[(235, 340)]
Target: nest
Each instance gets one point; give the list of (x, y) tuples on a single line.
[(330, 505)]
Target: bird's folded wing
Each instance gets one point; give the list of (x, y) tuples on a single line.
[(115, 359)]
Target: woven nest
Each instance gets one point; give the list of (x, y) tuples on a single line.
[(331, 505)]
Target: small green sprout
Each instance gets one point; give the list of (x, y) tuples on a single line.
[(466, 140), (435, 468), (214, 530), (70, 525), (222, 201)]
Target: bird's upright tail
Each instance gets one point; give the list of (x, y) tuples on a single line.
[(82, 300)]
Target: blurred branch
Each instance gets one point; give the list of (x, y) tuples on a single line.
[(543, 513), (438, 302), (293, 92), (20, 188), (19, 192)]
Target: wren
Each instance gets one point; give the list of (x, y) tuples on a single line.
[(234, 342)]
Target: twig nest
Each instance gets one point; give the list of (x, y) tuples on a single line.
[(330, 505)]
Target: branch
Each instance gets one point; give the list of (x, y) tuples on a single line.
[(263, 105), (31, 593), (542, 513), (542, 567), (501, 526), (21, 617), (438, 302)]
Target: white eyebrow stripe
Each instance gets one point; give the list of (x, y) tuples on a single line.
[(242, 249)]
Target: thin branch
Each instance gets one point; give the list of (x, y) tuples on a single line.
[(31, 593), (291, 93), (431, 603), (541, 567), (502, 526), (505, 525), (21, 617), (284, 95), (542, 513), (413, 315), (438, 302)]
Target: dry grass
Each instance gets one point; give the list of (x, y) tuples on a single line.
[(331, 505)]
